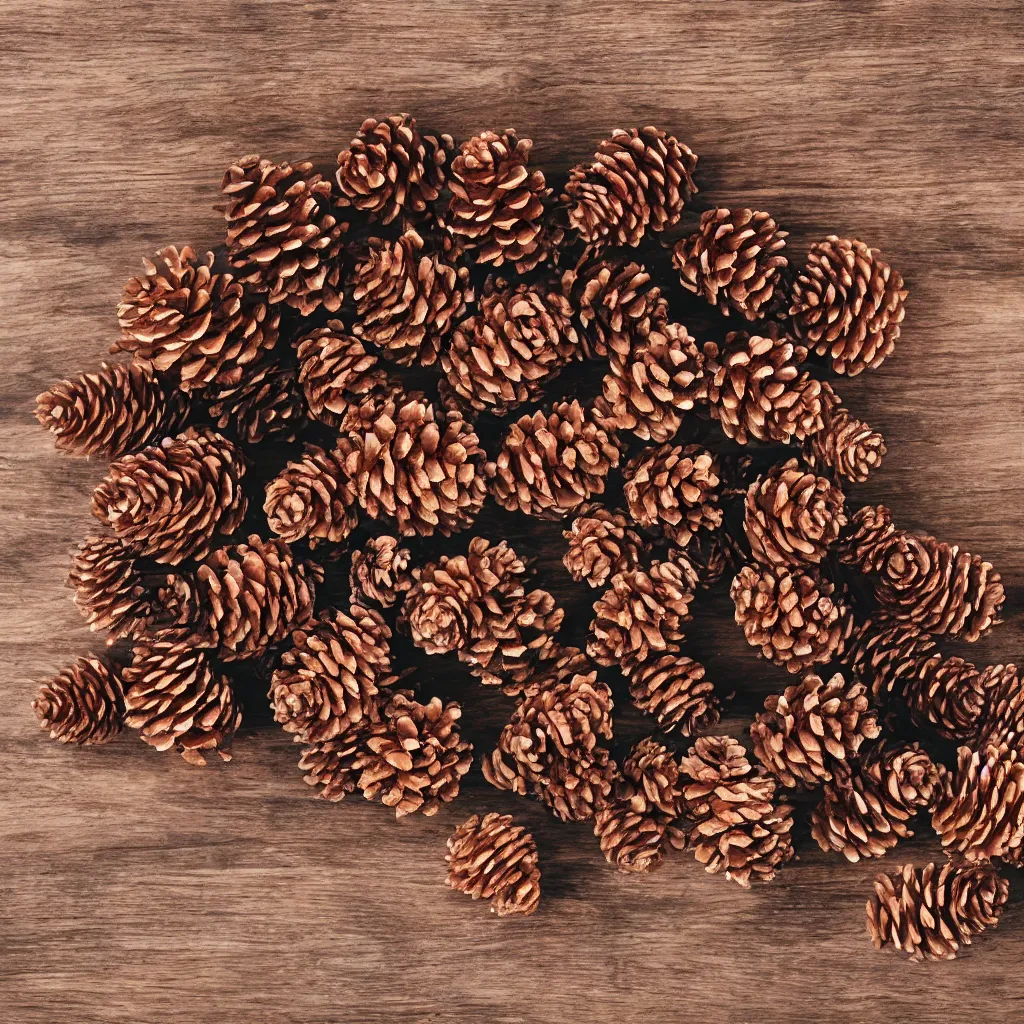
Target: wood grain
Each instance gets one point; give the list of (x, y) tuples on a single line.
[(135, 888)]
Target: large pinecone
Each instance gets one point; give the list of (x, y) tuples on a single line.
[(601, 544), (866, 538), (733, 260), (848, 303), (674, 690), (267, 402), (845, 445), (886, 656), (380, 572), (83, 703)]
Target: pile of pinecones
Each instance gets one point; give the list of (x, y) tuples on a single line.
[(465, 261)]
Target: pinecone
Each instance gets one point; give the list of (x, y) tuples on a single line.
[(551, 464), (407, 301), (116, 410), (639, 179), (794, 617), (1002, 720), (282, 238), (674, 487), (792, 516), (674, 690), (267, 403), (83, 703), (948, 694), (848, 303), (884, 656), (493, 859), (389, 169), (169, 501), (331, 765), (733, 261), (601, 544), (380, 572), (847, 446), (715, 555), (812, 728), (866, 539)]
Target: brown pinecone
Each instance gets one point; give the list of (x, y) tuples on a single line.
[(714, 555), (738, 827), (83, 703), (792, 516), (493, 859), (389, 168), (674, 487), (847, 446), (794, 617), (733, 260), (948, 694), (885, 656), (268, 402), (811, 728), (331, 765), (406, 300), (866, 538), (674, 690), (639, 179), (550, 464), (283, 239), (175, 698), (1002, 720), (380, 572), (169, 501), (601, 544), (848, 303), (116, 410)]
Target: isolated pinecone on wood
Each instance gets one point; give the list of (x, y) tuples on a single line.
[(845, 445), (601, 544), (380, 572), (83, 703), (866, 538), (674, 689), (267, 403)]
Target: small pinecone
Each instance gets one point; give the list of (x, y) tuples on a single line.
[(83, 703), (389, 168), (493, 859), (518, 342), (407, 301), (733, 260), (169, 501), (551, 464), (674, 690), (1002, 720), (380, 572), (885, 656), (847, 446), (948, 694), (864, 810), (640, 613), (866, 539), (331, 765), (313, 496), (792, 516), (282, 237), (175, 698), (674, 487), (848, 303), (715, 555), (639, 179), (267, 403), (738, 827), (795, 618), (116, 410), (811, 728), (601, 544)]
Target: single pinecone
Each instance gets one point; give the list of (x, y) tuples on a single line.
[(268, 402), (795, 618), (715, 555), (175, 698), (551, 464), (389, 168), (639, 179), (674, 690), (380, 572), (847, 446), (169, 501), (866, 538), (674, 487), (283, 239), (885, 656), (812, 728), (733, 260), (83, 703), (116, 410), (601, 544), (407, 301), (1002, 720), (792, 516), (848, 303), (331, 765), (493, 859), (948, 694)]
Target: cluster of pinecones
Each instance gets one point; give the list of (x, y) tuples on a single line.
[(421, 254)]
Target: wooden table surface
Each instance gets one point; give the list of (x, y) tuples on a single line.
[(135, 888)]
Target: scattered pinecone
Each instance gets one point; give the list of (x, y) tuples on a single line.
[(83, 703), (331, 765), (885, 656), (847, 446), (674, 690), (715, 555), (866, 539), (268, 402), (1002, 720), (948, 694), (601, 544), (380, 572)]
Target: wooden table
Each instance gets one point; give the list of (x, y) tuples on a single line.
[(138, 889)]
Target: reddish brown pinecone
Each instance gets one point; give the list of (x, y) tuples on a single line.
[(795, 618), (83, 703), (331, 765), (674, 487), (734, 260), (673, 688), (792, 516), (266, 403), (948, 694), (550, 464), (812, 728), (406, 300), (885, 656), (493, 859), (176, 699), (389, 168), (714, 555), (847, 446), (601, 544), (639, 179), (169, 501), (865, 540), (1002, 720), (380, 572), (848, 303)]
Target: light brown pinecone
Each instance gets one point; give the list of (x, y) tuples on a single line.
[(83, 703), (601, 543), (331, 765), (812, 728), (380, 572), (864, 541), (1002, 720), (848, 303), (734, 260), (948, 694), (885, 656), (845, 445), (674, 690), (267, 402), (492, 859)]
